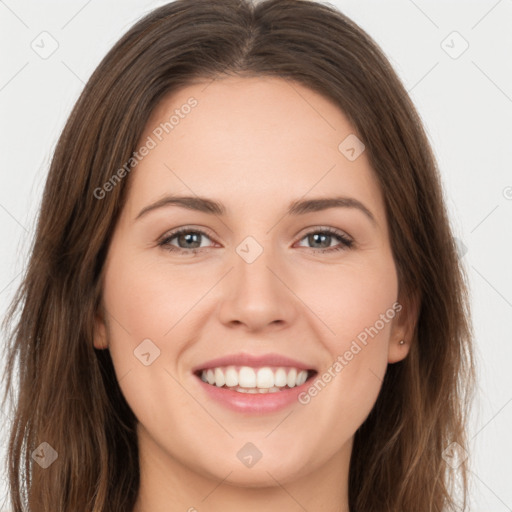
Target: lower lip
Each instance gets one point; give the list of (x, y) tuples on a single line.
[(256, 403)]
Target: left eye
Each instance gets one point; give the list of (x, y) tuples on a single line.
[(329, 234), (191, 240)]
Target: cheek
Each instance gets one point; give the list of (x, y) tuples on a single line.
[(145, 299), (352, 299), (141, 306), (356, 306), (144, 303)]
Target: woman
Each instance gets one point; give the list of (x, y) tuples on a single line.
[(255, 370)]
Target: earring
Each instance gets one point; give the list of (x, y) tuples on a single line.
[(401, 342)]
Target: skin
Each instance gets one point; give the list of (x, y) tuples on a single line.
[(254, 144)]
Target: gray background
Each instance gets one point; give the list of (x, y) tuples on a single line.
[(464, 99)]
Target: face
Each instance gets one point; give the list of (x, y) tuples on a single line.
[(269, 288)]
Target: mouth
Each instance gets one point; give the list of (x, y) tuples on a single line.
[(255, 380)]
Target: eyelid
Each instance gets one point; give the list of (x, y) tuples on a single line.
[(325, 229)]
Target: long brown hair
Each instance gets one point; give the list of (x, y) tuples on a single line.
[(68, 393)]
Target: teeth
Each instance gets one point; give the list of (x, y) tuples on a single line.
[(257, 390), (219, 378), (301, 378), (265, 378), (292, 377), (254, 380), (231, 377), (246, 377), (280, 378)]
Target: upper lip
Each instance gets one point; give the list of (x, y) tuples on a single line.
[(243, 359)]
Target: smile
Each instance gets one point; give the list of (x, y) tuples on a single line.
[(245, 379), (253, 383)]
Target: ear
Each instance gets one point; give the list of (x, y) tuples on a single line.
[(100, 330), (403, 326)]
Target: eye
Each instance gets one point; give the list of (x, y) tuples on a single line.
[(325, 235), (189, 240)]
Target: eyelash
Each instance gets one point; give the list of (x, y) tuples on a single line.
[(346, 242)]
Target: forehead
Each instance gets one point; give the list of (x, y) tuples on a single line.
[(240, 113), (250, 141)]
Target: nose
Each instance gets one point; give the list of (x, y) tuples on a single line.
[(258, 295)]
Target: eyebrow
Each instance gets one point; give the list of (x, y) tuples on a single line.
[(299, 207)]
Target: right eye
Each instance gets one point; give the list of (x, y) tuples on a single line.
[(184, 236)]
